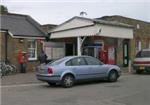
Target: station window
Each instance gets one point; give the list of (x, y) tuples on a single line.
[(32, 50), (138, 46)]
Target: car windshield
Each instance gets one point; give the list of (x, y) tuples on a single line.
[(143, 54), (56, 62)]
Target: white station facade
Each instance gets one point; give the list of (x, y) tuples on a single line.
[(88, 36)]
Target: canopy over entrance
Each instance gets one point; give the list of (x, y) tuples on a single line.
[(82, 27)]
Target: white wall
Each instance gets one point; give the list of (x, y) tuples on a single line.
[(76, 22), (115, 31), (86, 31), (54, 50), (106, 31)]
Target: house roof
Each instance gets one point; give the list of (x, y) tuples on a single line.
[(117, 17), (115, 23), (21, 25), (94, 21), (141, 28), (100, 21), (47, 27)]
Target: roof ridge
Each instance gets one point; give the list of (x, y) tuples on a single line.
[(126, 18), (36, 24), (15, 14)]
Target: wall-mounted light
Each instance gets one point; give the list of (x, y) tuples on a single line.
[(138, 26), (21, 40)]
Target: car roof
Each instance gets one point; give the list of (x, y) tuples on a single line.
[(69, 57)]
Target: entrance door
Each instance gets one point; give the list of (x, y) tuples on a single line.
[(125, 53), (69, 49)]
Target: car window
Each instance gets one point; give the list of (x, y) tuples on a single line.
[(57, 62), (142, 54), (69, 63), (76, 62), (93, 61)]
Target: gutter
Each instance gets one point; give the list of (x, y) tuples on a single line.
[(72, 28), (6, 46)]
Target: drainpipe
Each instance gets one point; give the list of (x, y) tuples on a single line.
[(79, 45), (6, 45)]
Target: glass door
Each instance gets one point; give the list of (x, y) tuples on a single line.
[(125, 54)]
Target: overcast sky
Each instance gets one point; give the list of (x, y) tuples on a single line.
[(58, 11)]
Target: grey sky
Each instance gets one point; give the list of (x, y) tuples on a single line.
[(58, 11)]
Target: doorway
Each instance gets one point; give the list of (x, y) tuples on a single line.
[(69, 49), (125, 53)]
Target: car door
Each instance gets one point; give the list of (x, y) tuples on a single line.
[(97, 68), (79, 68)]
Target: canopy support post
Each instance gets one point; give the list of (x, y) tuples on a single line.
[(79, 45)]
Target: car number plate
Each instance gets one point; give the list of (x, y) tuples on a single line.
[(142, 68), (41, 70)]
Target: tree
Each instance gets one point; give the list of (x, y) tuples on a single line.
[(3, 9)]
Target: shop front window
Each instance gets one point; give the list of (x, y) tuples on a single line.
[(138, 46)]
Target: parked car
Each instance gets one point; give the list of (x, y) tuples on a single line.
[(141, 62), (69, 70)]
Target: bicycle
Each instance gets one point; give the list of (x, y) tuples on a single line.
[(7, 69)]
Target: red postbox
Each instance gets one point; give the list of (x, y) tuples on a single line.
[(103, 56)]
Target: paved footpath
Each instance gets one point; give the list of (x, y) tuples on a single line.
[(20, 78)]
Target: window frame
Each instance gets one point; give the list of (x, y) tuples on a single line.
[(149, 44), (35, 42)]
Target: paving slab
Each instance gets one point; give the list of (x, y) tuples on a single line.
[(19, 78)]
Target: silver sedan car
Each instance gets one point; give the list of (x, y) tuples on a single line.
[(69, 70)]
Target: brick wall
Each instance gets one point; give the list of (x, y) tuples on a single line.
[(2, 46), (13, 47), (141, 31)]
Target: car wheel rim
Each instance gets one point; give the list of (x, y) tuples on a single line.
[(113, 76), (68, 81)]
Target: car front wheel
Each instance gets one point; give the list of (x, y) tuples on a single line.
[(68, 81), (113, 76)]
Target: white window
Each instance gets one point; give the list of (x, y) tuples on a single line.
[(32, 50), (138, 46), (149, 45)]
